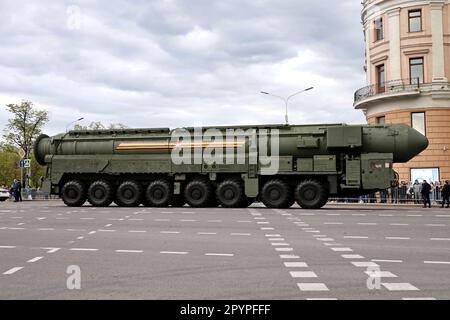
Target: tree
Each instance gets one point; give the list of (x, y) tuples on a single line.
[(25, 125), (100, 126)]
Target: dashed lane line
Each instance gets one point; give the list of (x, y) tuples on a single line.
[(296, 265), (129, 251), (34, 259), (83, 249), (12, 270), (7, 247), (387, 261), (174, 252), (220, 254), (437, 262), (289, 256)]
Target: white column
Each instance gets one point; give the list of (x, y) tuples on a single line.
[(394, 45), (438, 40), (368, 64)]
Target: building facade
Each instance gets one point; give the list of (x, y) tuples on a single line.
[(408, 72)]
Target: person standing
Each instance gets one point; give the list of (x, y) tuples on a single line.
[(426, 190), (446, 194), (417, 191)]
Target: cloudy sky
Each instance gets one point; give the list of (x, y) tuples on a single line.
[(170, 63)]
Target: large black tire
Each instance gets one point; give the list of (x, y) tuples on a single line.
[(159, 193), (74, 193), (230, 194), (311, 194), (276, 194), (100, 193), (198, 193), (128, 194), (177, 201)]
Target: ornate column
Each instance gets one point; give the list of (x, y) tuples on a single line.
[(394, 44), (437, 31)]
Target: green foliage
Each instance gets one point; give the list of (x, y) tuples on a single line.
[(100, 126), (25, 125)]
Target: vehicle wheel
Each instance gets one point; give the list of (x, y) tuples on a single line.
[(276, 194), (128, 194), (230, 194), (73, 193), (311, 194), (198, 193), (158, 193), (177, 201), (100, 193)]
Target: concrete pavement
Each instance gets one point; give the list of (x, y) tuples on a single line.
[(351, 252)]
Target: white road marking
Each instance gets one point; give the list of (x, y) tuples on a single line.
[(220, 254), (13, 270), (400, 287), (92, 232), (262, 222), (244, 221), (356, 237), (284, 249), (443, 216), (276, 239), (267, 229), (399, 224), (241, 234), (312, 287), (289, 256), (295, 265), (76, 230), (259, 218), (325, 239), (424, 298), (273, 235), (352, 256), (381, 274), (365, 264), (332, 244), (137, 231), (80, 238), (188, 220), (46, 229), (436, 262), (51, 250), (435, 225), (280, 244), (440, 239), (333, 223), (106, 230), (367, 223), (108, 225), (398, 238), (82, 249), (87, 218), (135, 219), (34, 259), (320, 299), (170, 232), (15, 228), (207, 233), (388, 261), (341, 249), (7, 247), (414, 215), (303, 274), (173, 252), (129, 251), (313, 231)]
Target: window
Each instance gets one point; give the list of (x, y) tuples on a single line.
[(381, 120), (429, 174), (415, 20), (416, 70), (418, 122), (379, 29), (381, 79)]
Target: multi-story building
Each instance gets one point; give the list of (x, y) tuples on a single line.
[(408, 72)]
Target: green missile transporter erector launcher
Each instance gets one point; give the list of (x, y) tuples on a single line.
[(275, 164)]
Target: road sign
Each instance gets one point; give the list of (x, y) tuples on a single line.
[(26, 163), (21, 153)]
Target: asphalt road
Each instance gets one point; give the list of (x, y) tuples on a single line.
[(255, 253)]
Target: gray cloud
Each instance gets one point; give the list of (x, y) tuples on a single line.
[(180, 63)]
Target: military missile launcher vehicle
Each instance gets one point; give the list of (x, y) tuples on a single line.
[(224, 166)]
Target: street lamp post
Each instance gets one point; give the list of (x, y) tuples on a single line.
[(286, 100), (67, 127)]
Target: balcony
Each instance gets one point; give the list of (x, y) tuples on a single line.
[(394, 88)]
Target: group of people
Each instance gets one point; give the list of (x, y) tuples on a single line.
[(418, 192), (16, 190)]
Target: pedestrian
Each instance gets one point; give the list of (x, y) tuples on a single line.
[(417, 191), (425, 191), (19, 190), (446, 194)]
